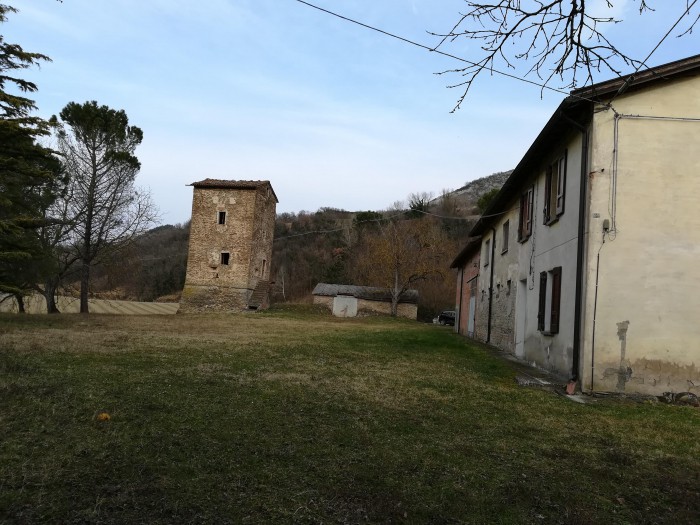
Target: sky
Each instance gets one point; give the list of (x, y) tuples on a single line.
[(331, 113)]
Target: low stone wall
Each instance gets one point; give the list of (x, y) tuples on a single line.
[(409, 311), (324, 300)]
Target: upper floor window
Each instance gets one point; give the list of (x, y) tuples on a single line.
[(555, 183), (525, 220), (222, 217), (224, 258), (506, 234)]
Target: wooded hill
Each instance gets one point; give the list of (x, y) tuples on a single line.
[(329, 245)]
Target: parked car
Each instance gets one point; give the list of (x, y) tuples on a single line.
[(447, 317)]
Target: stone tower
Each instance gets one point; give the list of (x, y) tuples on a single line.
[(228, 263)]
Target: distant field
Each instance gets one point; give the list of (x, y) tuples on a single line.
[(293, 416), (36, 304)]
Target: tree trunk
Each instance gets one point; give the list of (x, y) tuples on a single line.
[(395, 295), (84, 285), (49, 292), (20, 304)]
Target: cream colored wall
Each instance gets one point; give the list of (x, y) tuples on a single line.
[(649, 263)]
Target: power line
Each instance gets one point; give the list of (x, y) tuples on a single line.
[(491, 69), (390, 217), (434, 50), (623, 87), (336, 229)]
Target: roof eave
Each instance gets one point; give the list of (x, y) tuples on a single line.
[(473, 245), (558, 122)]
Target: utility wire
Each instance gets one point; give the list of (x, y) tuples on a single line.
[(383, 219), (439, 52), (623, 87), (492, 70)]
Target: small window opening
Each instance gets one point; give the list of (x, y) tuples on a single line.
[(224, 258), (222, 217)]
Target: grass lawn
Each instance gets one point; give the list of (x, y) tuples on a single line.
[(291, 415)]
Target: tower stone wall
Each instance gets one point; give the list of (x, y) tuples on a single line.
[(230, 246)]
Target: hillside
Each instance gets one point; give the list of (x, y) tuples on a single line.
[(467, 196), (309, 247)]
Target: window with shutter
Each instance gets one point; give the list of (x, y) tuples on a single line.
[(556, 301), (549, 305), (547, 206), (525, 219), (554, 189), (542, 302), (561, 183)]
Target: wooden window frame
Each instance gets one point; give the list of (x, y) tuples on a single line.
[(527, 202), (221, 217), (555, 301), (542, 302), (506, 235), (555, 190), (549, 312)]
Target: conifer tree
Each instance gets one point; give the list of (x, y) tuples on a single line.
[(27, 170)]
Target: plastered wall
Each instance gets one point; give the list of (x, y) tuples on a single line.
[(647, 313)]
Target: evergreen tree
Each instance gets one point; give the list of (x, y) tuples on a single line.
[(27, 171)]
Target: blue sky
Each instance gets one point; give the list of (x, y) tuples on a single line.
[(331, 113)]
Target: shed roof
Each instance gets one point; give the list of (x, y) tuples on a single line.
[(234, 184), (370, 293)]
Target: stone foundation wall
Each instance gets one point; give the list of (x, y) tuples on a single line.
[(198, 299)]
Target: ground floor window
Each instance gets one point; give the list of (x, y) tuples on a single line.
[(549, 301)]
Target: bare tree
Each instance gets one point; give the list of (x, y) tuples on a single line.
[(400, 254), (54, 236), (555, 38), (107, 210)]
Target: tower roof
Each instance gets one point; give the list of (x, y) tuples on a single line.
[(234, 184)]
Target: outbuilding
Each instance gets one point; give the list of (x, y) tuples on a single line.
[(346, 300)]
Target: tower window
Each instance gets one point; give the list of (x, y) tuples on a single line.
[(224, 258), (222, 217)]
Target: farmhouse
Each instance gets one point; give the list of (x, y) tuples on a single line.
[(230, 247), (587, 262), (347, 301)]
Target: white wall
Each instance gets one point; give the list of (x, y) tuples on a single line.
[(550, 246)]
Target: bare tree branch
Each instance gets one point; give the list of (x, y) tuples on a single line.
[(561, 39)]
